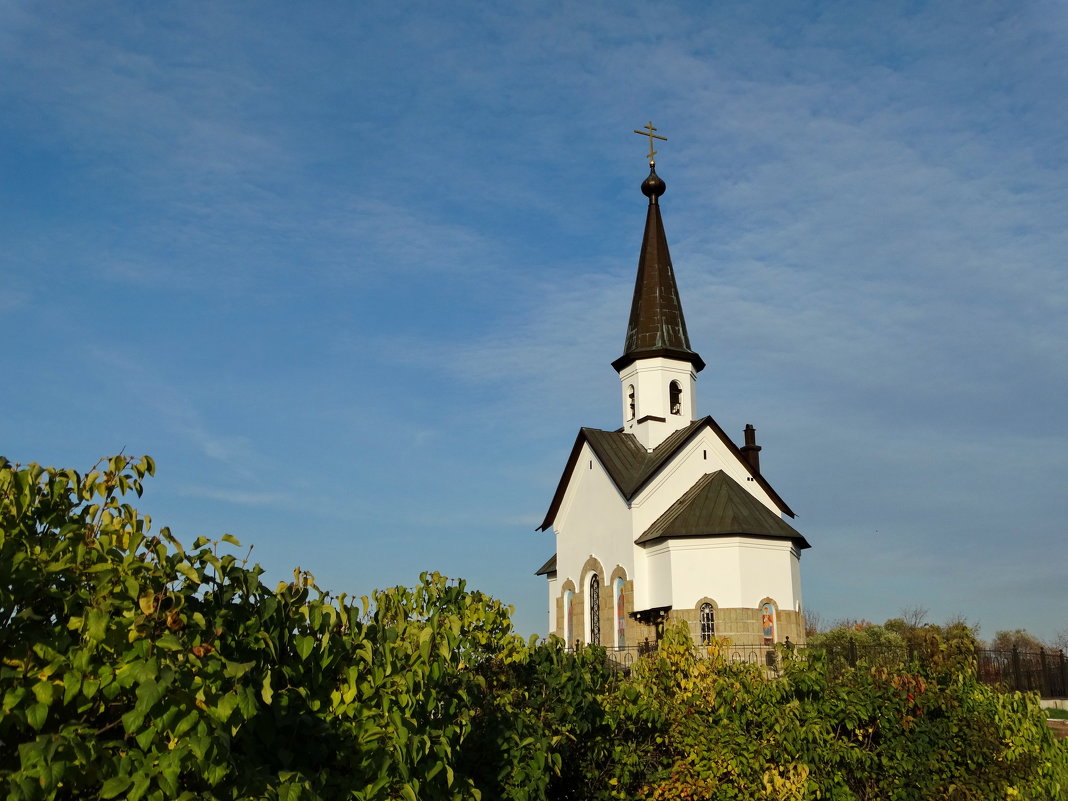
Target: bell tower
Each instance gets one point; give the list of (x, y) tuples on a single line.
[(658, 369)]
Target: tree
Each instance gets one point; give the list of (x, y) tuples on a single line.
[(814, 623), (914, 616), (1021, 639)]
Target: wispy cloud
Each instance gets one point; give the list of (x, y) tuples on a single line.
[(352, 255), (234, 496)]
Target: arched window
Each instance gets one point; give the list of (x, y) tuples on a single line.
[(675, 398), (569, 626), (621, 637), (767, 622), (595, 610), (708, 624), (630, 401)]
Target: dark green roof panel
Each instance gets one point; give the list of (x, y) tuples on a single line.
[(548, 568), (718, 506)]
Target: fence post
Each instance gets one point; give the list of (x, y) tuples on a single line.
[(1064, 675), (852, 653), (1016, 679), (1046, 690)]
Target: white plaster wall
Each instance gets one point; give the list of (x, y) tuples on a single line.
[(554, 591), (733, 571), (767, 569), (652, 582), (795, 577), (651, 379), (593, 520)]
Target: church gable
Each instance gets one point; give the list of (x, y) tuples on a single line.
[(631, 467), (588, 484)]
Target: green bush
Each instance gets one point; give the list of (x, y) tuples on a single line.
[(134, 668), (731, 731), (131, 667)]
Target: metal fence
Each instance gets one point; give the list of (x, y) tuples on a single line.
[(1044, 672)]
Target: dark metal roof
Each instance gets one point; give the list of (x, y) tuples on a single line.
[(548, 567), (627, 462), (657, 326), (718, 506), (631, 467)]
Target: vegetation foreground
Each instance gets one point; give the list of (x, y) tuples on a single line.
[(134, 668)]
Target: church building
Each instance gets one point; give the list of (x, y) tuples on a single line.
[(666, 518)]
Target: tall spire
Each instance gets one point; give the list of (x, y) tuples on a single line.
[(657, 327)]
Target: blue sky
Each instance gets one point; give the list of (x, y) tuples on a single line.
[(354, 273)]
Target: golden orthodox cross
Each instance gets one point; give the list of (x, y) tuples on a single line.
[(649, 132)]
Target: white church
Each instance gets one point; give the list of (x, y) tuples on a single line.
[(666, 518)]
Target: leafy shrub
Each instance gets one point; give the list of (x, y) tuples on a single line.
[(731, 731), (131, 667), (134, 668)]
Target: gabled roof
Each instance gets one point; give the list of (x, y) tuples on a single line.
[(631, 467), (656, 326), (718, 506), (628, 463), (548, 567)]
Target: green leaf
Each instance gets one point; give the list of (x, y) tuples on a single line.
[(235, 670), (12, 697), (145, 738), (304, 645), (96, 625), (72, 683), (226, 706), (36, 715), (186, 723), (44, 691), (114, 786), (141, 782), (132, 720), (246, 702), (230, 538), (187, 571)]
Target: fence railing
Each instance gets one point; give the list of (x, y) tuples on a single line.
[(1044, 672)]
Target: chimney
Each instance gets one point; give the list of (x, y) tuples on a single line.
[(751, 451)]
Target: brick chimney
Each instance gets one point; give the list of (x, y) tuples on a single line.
[(751, 451)]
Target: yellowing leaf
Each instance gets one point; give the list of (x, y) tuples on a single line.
[(147, 602), (187, 571)]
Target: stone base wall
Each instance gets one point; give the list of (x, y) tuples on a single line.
[(743, 626), (634, 633)]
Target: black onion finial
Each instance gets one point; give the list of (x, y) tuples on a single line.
[(653, 186)]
